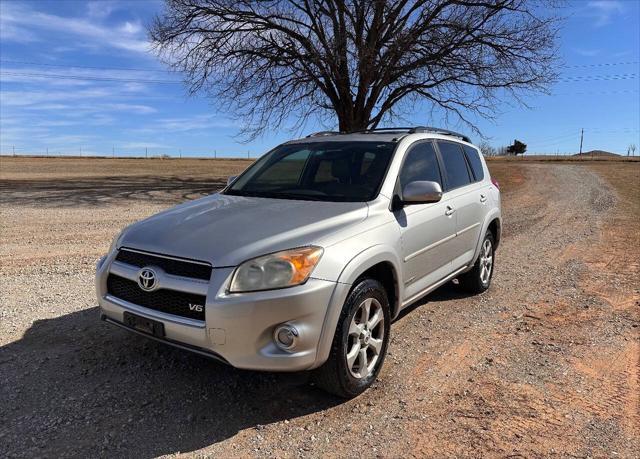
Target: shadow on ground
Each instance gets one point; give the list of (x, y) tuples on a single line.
[(77, 386), (448, 292), (98, 191)]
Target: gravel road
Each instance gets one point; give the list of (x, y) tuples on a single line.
[(546, 363)]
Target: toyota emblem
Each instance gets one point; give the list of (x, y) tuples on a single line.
[(147, 279)]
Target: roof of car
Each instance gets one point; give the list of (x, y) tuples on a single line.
[(380, 135)]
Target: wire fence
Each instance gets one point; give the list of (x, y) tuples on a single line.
[(122, 152), (200, 153)]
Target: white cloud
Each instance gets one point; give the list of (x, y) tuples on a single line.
[(587, 52), (602, 11), (131, 108), (101, 9), (128, 36), (186, 124), (131, 28), (11, 32)]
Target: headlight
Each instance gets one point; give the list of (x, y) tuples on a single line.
[(277, 270)]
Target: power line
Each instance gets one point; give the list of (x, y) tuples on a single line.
[(617, 76), (602, 64), (591, 93)]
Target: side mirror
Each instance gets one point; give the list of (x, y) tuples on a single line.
[(421, 192), (231, 179)]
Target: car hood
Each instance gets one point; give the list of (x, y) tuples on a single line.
[(226, 230)]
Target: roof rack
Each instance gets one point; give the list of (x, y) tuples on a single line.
[(408, 130), (324, 133), (418, 130)]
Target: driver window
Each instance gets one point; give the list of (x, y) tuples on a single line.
[(420, 164)]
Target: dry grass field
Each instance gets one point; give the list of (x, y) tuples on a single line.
[(544, 364)]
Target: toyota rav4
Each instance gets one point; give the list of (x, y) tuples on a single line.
[(304, 260)]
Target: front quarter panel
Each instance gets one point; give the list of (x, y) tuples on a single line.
[(354, 269)]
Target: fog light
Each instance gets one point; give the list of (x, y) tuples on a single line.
[(286, 337)]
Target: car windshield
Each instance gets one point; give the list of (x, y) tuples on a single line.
[(317, 171)]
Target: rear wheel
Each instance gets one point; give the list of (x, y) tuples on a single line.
[(478, 279), (360, 342)]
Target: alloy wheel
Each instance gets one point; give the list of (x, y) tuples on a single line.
[(366, 338), (486, 261)]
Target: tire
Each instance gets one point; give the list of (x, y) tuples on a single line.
[(477, 280), (344, 373)]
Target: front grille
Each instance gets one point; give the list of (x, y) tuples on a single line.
[(169, 301), (169, 265)]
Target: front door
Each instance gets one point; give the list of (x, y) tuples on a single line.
[(428, 230)]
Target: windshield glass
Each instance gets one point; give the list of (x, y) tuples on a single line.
[(318, 171)]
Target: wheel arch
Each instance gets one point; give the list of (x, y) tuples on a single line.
[(378, 262), (493, 222), (495, 226)]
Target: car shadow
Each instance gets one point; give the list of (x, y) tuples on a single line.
[(75, 385), (447, 292)]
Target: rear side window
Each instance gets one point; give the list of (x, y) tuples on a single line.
[(455, 165), (475, 162), (420, 164)]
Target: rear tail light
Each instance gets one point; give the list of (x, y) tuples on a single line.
[(495, 183)]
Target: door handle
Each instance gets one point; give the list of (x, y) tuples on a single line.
[(450, 210), (483, 198)]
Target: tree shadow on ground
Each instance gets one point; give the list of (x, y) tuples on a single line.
[(98, 191), (77, 386)]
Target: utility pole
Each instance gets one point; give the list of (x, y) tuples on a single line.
[(13, 147), (47, 151), (80, 151), (113, 151), (180, 152), (215, 154), (146, 152), (247, 154), (581, 138)]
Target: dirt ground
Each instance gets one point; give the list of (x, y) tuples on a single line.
[(544, 364)]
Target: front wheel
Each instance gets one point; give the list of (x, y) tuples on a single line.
[(478, 279), (360, 342)]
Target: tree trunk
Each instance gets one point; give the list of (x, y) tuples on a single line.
[(352, 119)]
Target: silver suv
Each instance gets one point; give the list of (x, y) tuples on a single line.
[(304, 260)]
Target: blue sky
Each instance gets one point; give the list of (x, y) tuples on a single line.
[(78, 76)]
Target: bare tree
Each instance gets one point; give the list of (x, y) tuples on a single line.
[(487, 149), (357, 62)]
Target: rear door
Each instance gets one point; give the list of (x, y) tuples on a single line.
[(466, 197), (428, 230)]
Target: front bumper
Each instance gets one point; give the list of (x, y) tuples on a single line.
[(238, 328)]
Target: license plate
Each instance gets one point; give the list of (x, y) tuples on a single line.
[(144, 325)]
